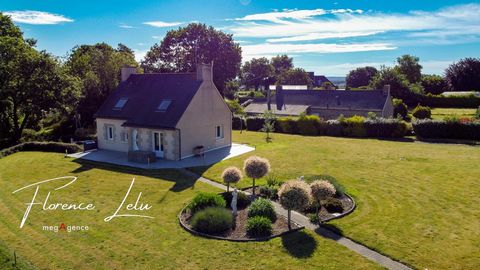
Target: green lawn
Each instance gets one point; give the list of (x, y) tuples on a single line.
[(134, 243), (417, 202), (440, 113)]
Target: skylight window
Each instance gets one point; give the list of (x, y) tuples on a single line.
[(120, 103), (164, 104)]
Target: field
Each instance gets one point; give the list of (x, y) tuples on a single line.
[(417, 202), (440, 113), (132, 242)]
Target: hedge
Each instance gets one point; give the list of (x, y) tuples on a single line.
[(238, 123), (438, 129), (452, 101), (43, 147), (351, 127)]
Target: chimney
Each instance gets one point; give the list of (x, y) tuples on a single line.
[(386, 90), (127, 71), (279, 97), (205, 72)]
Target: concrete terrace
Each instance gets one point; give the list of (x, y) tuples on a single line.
[(211, 157)]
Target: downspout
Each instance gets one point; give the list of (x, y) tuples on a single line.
[(179, 144)]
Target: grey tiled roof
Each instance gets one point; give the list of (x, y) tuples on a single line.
[(257, 107), (145, 92)]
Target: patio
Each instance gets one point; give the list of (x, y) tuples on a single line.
[(209, 158)]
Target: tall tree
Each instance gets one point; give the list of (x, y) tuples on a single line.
[(181, 49), (409, 66), (99, 67), (281, 63), (256, 72), (32, 83), (295, 76), (434, 84), (464, 75), (360, 76), (399, 85)]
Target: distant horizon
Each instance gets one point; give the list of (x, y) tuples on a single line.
[(329, 38)]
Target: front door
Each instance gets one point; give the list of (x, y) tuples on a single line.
[(158, 144)]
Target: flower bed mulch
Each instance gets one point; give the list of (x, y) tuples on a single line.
[(347, 202), (279, 227)]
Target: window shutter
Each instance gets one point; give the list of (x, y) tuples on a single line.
[(114, 134), (105, 135)]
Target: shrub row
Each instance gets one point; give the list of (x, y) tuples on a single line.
[(42, 146), (351, 127), (239, 123), (437, 129), (452, 101)]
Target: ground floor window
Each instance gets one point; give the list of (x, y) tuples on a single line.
[(219, 132), (124, 136), (110, 133)]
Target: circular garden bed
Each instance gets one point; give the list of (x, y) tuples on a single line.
[(208, 216)]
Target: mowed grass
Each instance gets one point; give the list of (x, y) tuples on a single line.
[(417, 202), (440, 113), (135, 243)]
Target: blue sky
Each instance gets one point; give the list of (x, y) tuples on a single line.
[(328, 37)]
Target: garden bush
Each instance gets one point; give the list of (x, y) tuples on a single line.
[(205, 199), (340, 189), (57, 147), (255, 123), (422, 112), (333, 205), (313, 217), (451, 101), (399, 108), (259, 226), (332, 128), (354, 126), (238, 123), (212, 220), (386, 128), (242, 199), (286, 125), (452, 129), (271, 192), (262, 207), (231, 175), (308, 125)]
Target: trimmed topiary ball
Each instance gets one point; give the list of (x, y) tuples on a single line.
[(231, 175), (262, 207), (212, 220), (256, 167), (259, 226), (294, 195), (204, 199), (322, 189)]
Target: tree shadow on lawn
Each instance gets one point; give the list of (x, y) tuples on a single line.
[(182, 181), (299, 244), (329, 231)]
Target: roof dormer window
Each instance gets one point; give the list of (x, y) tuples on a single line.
[(120, 103), (164, 104)]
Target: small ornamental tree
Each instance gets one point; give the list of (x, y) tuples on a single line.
[(231, 175), (256, 167), (294, 195), (422, 112), (322, 190)]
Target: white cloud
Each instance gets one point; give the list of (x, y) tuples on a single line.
[(162, 24), (267, 49), (317, 36), (125, 26), (36, 17), (308, 24), (139, 54)]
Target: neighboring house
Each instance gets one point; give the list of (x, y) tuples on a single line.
[(327, 104), (164, 115), (319, 80)]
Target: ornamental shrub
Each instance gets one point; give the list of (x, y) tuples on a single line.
[(422, 112), (399, 108), (308, 125), (271, 192), (333, 205), (294, 195), (256, 167), (452, 129), (340, 190), (262, 207), (212, 220), (205, 199), (386, 128), (322, 190), (259, 226)]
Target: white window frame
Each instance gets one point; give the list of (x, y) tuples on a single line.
[(217, 129), (110, 135)]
